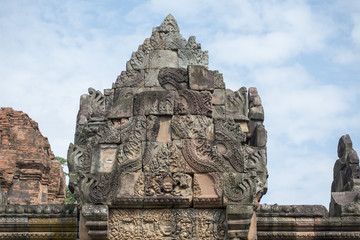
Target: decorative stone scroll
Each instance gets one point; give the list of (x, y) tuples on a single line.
[(169, 135)]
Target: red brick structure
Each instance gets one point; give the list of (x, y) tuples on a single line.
[(28, 174)]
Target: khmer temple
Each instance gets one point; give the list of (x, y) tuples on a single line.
[(166, 153)]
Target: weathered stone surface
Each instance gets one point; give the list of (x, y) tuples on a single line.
[(345, 188), (167, 224), (151, 78), (236, 104), (193, 102), (189, 57), (218, 97), (173, 78), (171, 136), (154, 102), (28, 174), (207, 190), (158, 129), (131, 78), (103, 158), (123, 103), (256, 110), (162, 59), (192, 127), (200, 78), (133, 129)]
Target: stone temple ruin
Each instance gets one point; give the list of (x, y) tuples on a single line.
[(169, 153)]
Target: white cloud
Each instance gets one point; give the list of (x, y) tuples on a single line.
[(355, 34)]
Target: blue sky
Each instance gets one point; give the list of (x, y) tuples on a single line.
[(303, 56)]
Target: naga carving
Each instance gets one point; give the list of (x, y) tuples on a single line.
[(173, 78)]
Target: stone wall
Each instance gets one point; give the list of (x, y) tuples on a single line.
[(56, 222), (28, 174)]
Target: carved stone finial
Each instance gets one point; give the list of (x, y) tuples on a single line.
[(346, 184), (169, 25)]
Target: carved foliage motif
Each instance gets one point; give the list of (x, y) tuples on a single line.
[(154, 102), (173, 78), (162, 224), (162, 158), (133, 129), (110, 132), (130, 78), (236, 104), (192, 127), (193, 102), (228, 130), (238, 187), (97, 103), (77, 159), (130, 156), (200, 156), (233, 153)]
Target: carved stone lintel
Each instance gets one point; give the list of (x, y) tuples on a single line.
[(161, 224)]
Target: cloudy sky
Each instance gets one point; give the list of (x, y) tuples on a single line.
[(303, 56)]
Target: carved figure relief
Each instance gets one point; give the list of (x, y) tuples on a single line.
[(162, 224)]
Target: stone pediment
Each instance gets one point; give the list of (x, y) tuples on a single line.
[(168, 134)]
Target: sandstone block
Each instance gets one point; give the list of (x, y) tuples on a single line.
[(193, 102), (189, 57), (207, 190), (123, 103), (192, 127), (173, 78), (103, 158), (200, 78), (151, 78), (163, 58), (154, 102)]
